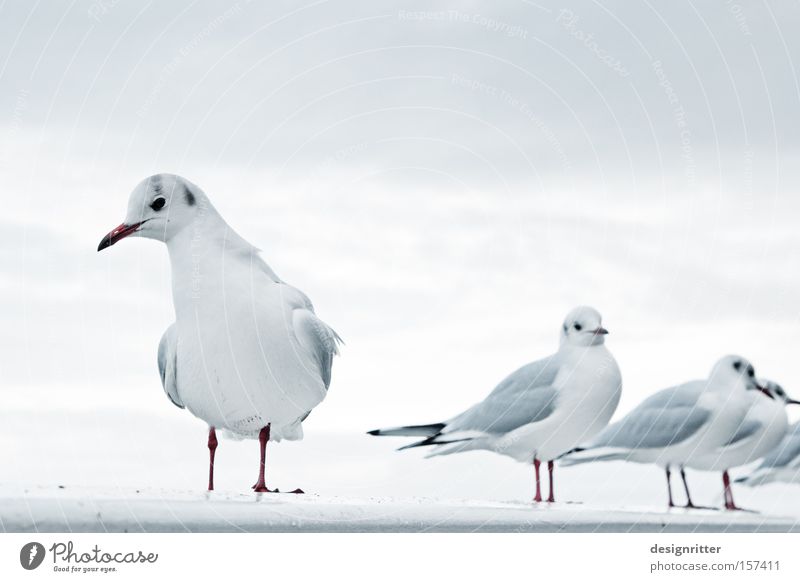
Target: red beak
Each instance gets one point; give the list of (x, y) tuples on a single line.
[(118, 234)]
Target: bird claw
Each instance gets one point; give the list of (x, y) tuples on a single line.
[(705, 507), (260, 488), (737, 508)]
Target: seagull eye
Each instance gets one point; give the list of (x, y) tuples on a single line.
[(158, 204), (751, 372), (578, 327)]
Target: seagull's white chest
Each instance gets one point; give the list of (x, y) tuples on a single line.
[(239, 364), (589, 386)]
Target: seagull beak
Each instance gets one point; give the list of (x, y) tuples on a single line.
[(792, 401), (600, 331), (118, 234), (764, 391)]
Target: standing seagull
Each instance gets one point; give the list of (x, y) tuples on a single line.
[(246, 353), (761, 430), (677, 425), (540, 411)]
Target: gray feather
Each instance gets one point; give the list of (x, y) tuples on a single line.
[(786, 453), (525, 396), (747, 429), (318, 338), (168, 364), (669, 417)]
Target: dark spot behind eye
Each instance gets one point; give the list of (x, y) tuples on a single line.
[(737, 366), (188, 196), (158, 204)]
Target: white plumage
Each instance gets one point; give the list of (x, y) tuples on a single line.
[(541, 410), (246, 350), (686, 425), (762, 428)]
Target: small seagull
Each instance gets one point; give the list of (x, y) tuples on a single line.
[(763, 427), (540, 411), (246, 354), (782, 464), (678, 425)]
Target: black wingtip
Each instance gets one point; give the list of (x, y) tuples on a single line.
[(423, 443)]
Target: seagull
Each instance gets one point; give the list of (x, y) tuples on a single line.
[(677, 425), (246, 354), (540, 411), (780, 465), (763, 427)]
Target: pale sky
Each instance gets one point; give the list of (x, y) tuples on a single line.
[(444, 180)]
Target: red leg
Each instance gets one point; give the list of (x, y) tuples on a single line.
[(536, 464), (261, 486), (212, 449), (726, 484), (550, 468), (669, 486)]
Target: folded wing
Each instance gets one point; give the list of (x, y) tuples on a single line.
[(168, 364)]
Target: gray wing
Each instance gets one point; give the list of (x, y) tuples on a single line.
[(525, 396), (786, 453), (168, 364), (667, 418), (746, 429), (318, 338)]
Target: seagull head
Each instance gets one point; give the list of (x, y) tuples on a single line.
[(159, 207), (583, 326), (776, 392), (736, 371)]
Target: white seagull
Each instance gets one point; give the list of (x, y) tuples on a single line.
[(540, 411), (246, 353), (678, 425), (763, 427), (780, 465)]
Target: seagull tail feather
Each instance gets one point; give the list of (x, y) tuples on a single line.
[(579, 455), (418, 430), (754, 479)]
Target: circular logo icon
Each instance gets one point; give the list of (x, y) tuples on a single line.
[(31, 555)]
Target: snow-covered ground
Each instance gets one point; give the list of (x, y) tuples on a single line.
[(134, 471)]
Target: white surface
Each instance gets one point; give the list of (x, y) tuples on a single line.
[(354, 482), (47, 510)]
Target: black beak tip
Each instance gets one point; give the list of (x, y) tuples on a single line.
[(104, 244)]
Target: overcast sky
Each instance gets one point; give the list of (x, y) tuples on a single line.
[(445, 180)]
